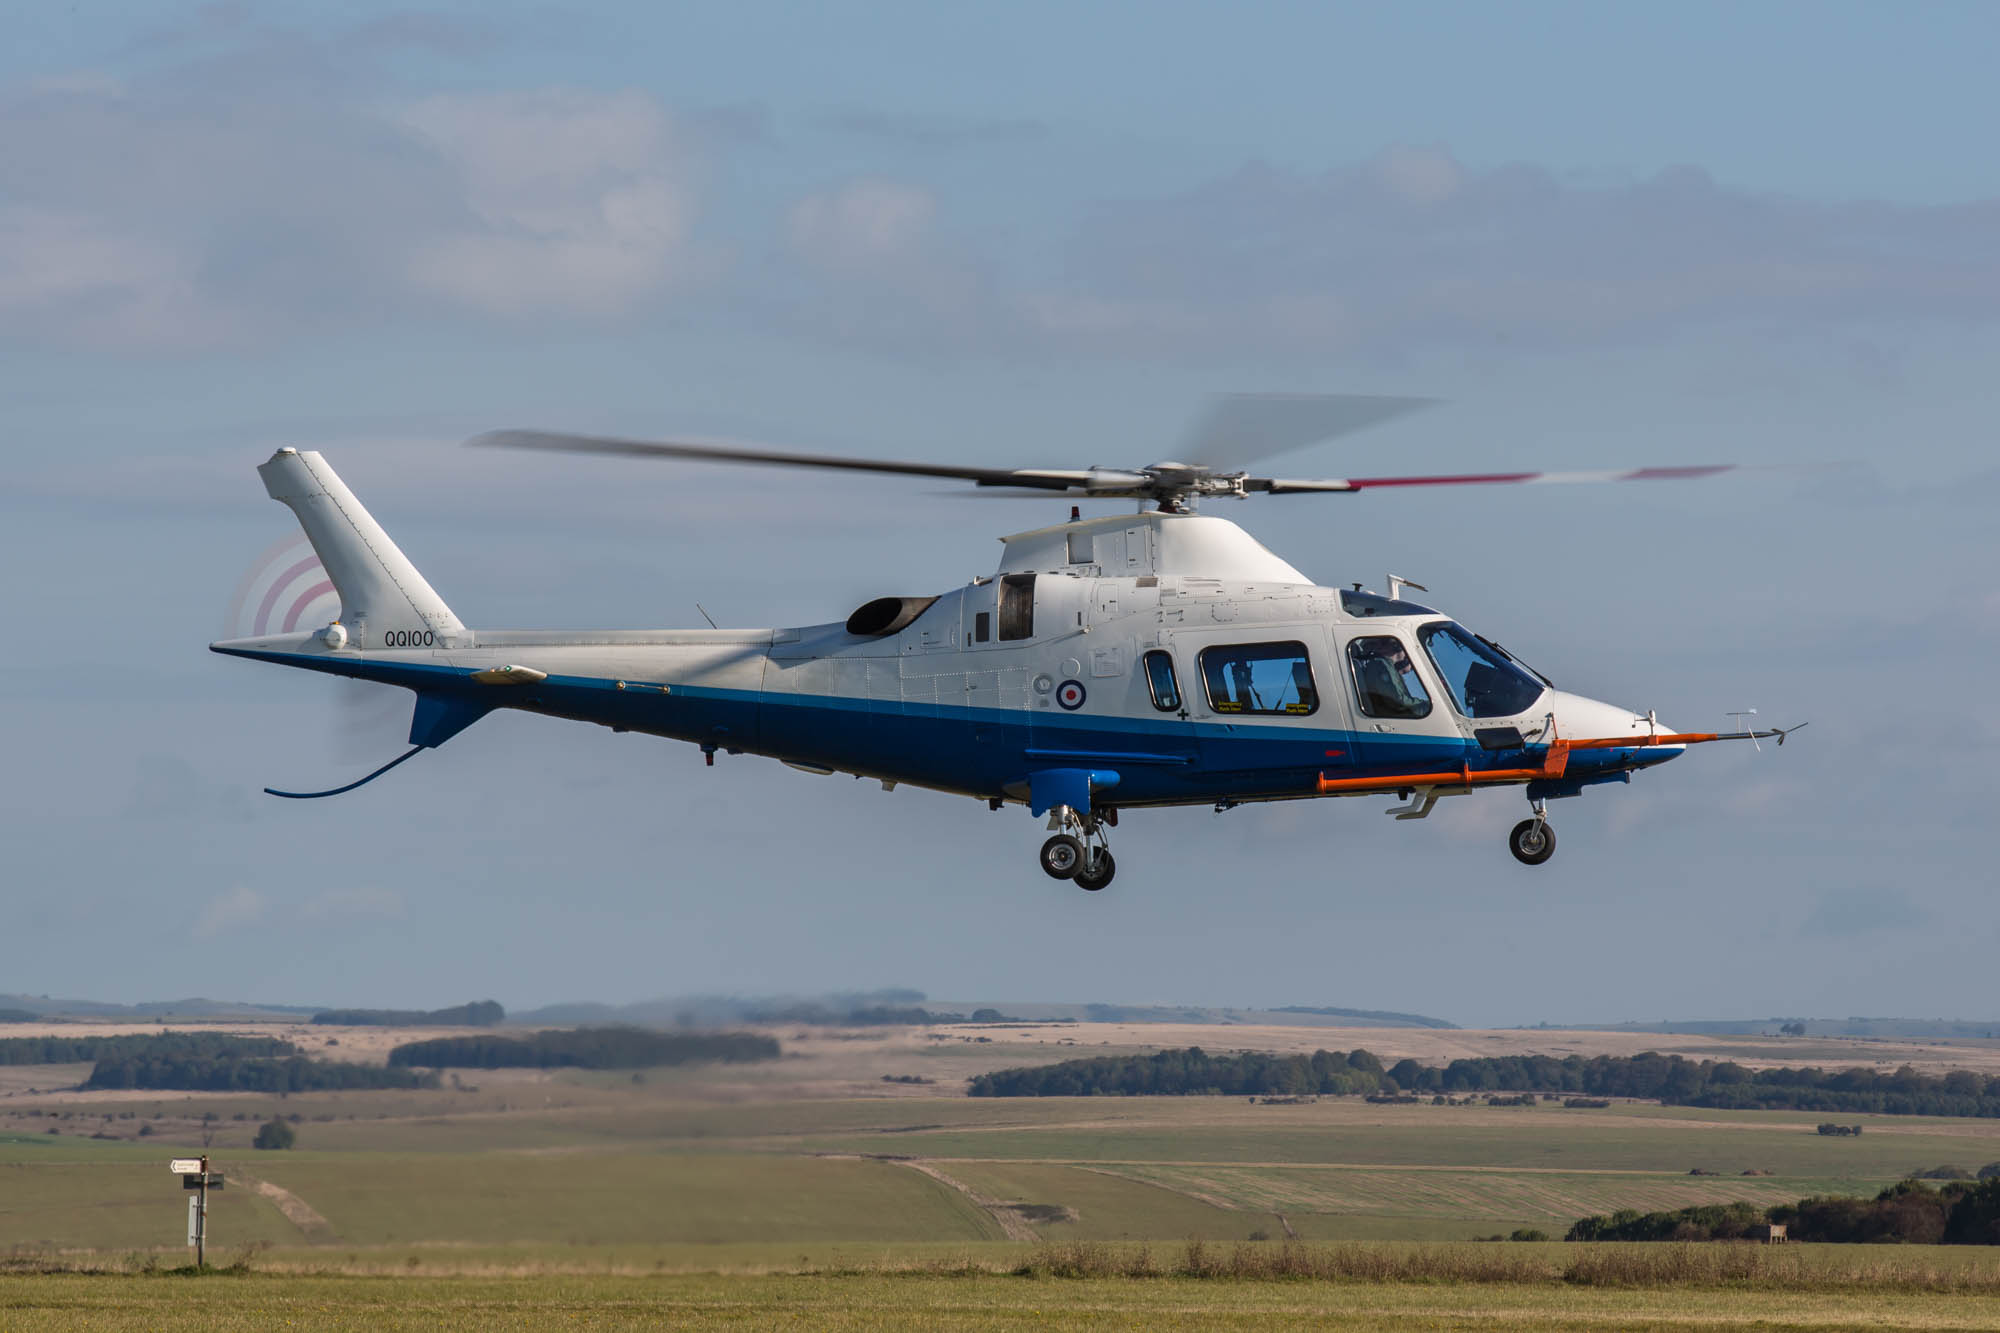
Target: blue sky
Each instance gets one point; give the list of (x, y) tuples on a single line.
[(1605, 235)]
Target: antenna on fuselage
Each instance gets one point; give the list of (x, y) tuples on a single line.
[(706, 616)]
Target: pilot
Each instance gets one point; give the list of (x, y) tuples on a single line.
[(1382, 668)]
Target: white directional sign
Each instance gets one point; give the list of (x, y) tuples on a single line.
[(183, 1166), (194, 1219)]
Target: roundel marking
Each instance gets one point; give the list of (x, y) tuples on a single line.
[(1071, 694)]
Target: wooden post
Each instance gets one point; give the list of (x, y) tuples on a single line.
[(201, 1219)]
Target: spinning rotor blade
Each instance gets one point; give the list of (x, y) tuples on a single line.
[(558, 442), (1236, 427), (1685, 473), (1240, 428), (1284, 486)]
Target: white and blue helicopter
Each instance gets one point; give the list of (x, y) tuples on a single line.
[(1158, 658)]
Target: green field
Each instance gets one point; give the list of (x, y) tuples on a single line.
[(626, 1165), (894, 1300), (807, 1187)]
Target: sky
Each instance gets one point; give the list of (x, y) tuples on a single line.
[(1008, 234)]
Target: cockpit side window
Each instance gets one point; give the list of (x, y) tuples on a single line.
[(1260, 678), (1160, 679), (1386, 683), (1017, 606), (1482, 682)]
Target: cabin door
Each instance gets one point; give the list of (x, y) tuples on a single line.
[(1402, 718)]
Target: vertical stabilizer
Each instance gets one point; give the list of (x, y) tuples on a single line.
[(382, 596)]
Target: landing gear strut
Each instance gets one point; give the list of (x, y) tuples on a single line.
[(1079, 851), (1532, 840)]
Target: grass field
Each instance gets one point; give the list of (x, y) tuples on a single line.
[(809, 1188), (892, 1299)]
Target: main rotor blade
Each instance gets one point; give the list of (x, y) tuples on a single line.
[(559, 442), (1683, 473), (1240, 428), (1285, 486)]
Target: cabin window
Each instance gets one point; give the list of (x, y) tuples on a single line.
[(1482, 681), (982, 626), (1017, 606), (1259, 678), (1385, 679), (1161, 681)]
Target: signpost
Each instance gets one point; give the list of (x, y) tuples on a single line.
[(195, 1175)]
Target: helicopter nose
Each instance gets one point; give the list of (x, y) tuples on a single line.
[(1578, 719)]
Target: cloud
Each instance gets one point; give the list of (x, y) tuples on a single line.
[(1414, 247), (155, 213), (863, 225), (100, 280), (229, 910), (576, 199)]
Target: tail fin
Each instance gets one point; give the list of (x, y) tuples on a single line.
[(381, 593)]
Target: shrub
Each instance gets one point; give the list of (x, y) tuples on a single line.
[(274, 1134)]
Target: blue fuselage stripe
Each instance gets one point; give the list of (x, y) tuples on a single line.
[(978, 751)]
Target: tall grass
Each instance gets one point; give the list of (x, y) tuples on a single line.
[(1605, 1265)]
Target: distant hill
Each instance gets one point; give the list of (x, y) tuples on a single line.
[(42, 1006), (1380, 1018), (840, 1009), (477, 1014), (1807, 1027), (902, 1006), (1296, 1015)]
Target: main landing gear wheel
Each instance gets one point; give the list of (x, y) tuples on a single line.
[(1102, 868), (1532, 842), (1062, 857)]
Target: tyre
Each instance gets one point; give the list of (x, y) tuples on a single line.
[(1100, 873), (1062, 856), (1532, 842)]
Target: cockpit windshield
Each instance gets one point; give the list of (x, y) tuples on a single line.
[(1482, 681)]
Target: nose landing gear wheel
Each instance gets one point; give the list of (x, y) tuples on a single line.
[(1062, 856), (1532, 842), (1101, 870)]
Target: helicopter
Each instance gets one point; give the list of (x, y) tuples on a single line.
[(1155, 658)]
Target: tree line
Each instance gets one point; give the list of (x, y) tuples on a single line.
[(201, 1062), (231, 1074), (478, 1014), (585, 1048), (180, 1045), (1910, 1212), (1191, 1072), (1670, 1079)]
